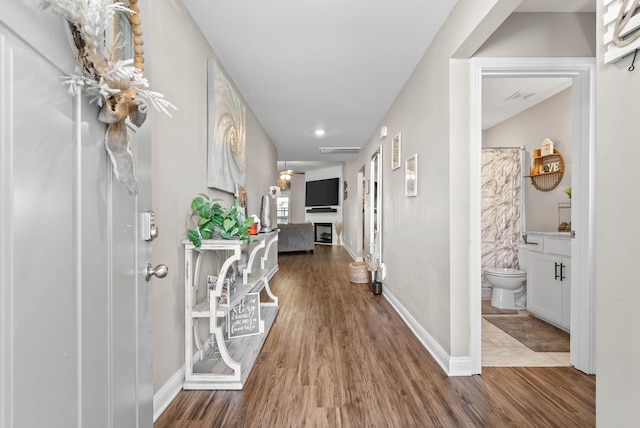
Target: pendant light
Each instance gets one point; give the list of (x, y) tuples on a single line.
[(285, 178), (286, 174)]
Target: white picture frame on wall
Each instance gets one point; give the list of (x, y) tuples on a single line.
[(411, 175), (396, 151)]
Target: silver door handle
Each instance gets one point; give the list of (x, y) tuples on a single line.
[(159, 271)]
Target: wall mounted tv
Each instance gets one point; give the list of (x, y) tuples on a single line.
[(322, 193)]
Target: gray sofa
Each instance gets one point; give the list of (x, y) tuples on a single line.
[(295, 237)]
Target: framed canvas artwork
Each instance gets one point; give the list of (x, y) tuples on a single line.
[(226, 133)]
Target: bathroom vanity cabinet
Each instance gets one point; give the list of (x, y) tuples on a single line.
[(549, 278)]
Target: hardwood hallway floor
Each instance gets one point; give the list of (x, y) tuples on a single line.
[(339, 356)]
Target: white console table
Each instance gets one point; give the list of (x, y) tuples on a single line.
[(218, 362)]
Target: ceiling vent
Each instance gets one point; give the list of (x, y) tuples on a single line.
[(520, 96), (327, 150)]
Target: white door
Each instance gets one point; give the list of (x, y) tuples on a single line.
[(75, 335)]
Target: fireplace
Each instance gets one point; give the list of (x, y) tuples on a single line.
[(323, 233)]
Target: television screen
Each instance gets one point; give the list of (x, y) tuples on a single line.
[(322, 193)]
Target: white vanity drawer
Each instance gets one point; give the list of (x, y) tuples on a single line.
[(562, 247), (535, 243)]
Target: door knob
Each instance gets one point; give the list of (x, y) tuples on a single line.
[(159, 271)]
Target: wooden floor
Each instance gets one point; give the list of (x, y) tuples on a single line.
[(339, 356)]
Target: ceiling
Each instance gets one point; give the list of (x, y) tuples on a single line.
[(505, 97), (323, 64)]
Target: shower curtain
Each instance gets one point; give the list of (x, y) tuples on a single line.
[(501, 205)]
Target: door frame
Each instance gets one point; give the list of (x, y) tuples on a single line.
[(582, 73), (375, 212), (360, 228)]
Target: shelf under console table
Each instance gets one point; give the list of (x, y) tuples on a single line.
[(217, 291)]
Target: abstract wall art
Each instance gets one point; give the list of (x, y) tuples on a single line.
[(226, 158)]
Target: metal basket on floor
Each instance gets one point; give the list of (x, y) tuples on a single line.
[(358, 273)]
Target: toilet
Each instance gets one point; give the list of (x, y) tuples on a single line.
[(509, 286)]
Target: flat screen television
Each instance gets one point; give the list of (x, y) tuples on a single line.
[(322, 193)]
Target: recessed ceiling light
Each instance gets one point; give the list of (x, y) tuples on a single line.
[(319, 132)]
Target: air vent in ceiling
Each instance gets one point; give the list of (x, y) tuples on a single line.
[(519, 96), (326, 150)]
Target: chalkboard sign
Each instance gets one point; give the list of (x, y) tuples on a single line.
[(244, 318)]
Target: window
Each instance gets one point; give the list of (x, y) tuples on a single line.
[(282, 210)]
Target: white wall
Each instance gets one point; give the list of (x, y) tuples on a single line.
[(296, 202), (617, 230), (177, 56), (548, 119), (351, 214), (334, 218)]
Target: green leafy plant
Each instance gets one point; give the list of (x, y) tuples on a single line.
[(215, 221), (568, 192)]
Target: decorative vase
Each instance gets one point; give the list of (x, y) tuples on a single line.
[(265, 214)]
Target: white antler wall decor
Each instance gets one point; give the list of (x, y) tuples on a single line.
[(622, 21), (117, 85)]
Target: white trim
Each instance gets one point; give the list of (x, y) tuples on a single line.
[(582, 71), (475, 202), (359, 215), (583, 245), (167, 393), (375, 240), (459, 366), (351, 253), (451, 366), (77, 210)]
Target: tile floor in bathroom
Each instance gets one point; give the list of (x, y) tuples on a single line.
[(500, 349)]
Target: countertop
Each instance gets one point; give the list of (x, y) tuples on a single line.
[(557, 234)]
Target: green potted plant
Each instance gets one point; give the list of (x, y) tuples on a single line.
[(213, 221)]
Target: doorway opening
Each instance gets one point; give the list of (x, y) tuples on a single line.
[(581, 72), (522, 324)]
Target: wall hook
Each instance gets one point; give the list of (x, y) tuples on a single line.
[(633, 61)]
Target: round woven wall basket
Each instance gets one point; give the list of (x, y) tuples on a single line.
[(358, 272)]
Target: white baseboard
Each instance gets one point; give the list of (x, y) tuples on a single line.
[(451, 366), (167, 393), (352, 254), (460, 366)]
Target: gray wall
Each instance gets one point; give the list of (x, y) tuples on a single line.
[(297, 198), (617, 206), (542, 34), (426, 237), (427, 274), (177, 57), (548, 119)]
